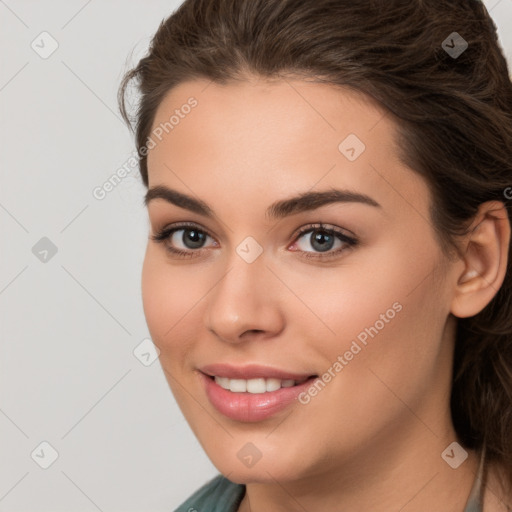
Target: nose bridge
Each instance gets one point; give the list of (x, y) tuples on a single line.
[(242, 300)]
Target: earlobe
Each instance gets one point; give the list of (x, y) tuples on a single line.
[(485, 260)]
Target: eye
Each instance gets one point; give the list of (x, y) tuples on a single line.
[(182, 240), (187, 240), (323, 240)]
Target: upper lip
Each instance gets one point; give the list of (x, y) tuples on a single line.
[(251, 371)]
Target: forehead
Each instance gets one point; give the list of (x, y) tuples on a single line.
[(273, 135), (288, 103)]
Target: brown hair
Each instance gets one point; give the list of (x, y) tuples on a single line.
[(454, 117)]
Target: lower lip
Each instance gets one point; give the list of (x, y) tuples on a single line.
[(251, 407)]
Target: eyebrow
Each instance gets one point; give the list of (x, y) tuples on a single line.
[(301, 203)]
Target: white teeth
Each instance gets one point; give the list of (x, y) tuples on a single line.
[(223, 382), (259, 385), (238, 385), (273, 384), (256, 386)]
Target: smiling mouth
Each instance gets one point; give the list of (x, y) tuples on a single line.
[(257, 385), (265, 392)]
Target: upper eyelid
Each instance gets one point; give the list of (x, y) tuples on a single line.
[(325, 226), (303, 230)]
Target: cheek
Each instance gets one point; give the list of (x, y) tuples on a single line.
[(383, 357), (387, 303), (171, 296), (391, 329), (155, 297), (340, 302)]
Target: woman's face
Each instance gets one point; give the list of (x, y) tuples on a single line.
[(358, 306)]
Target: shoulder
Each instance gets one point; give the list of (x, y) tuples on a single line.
[(217, 495)]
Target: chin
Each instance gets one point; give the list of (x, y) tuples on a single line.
[(267, 469)]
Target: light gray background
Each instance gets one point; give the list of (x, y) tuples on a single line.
[(69, 325)]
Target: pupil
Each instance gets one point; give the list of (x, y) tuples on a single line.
[(325, 240), (195, 238)]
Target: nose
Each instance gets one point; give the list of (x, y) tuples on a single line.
[(245, 303)]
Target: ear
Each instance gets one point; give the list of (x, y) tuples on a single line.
[(485, 257)]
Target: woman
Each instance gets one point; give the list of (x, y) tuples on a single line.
[(328, 273)]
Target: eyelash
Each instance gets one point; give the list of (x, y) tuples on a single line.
[(165, 234)]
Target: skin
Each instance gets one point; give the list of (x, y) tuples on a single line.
[(372, 438)]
